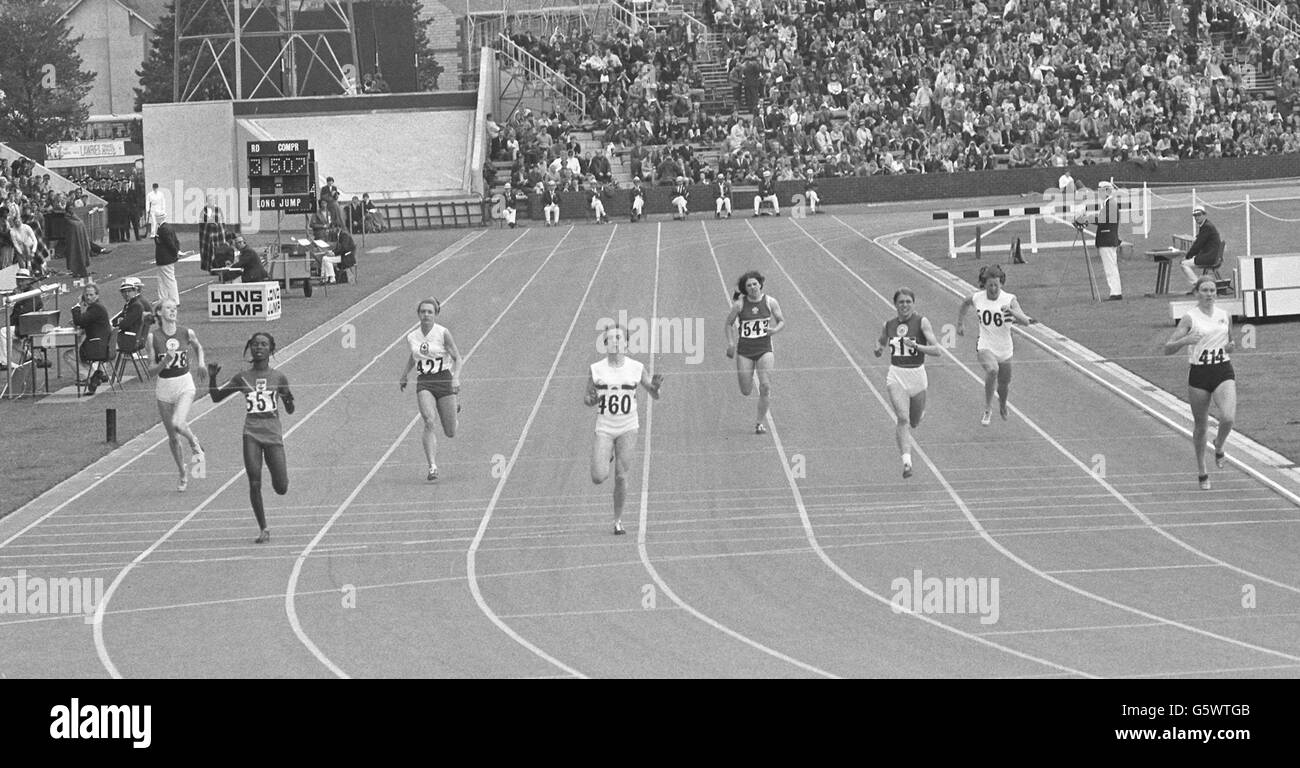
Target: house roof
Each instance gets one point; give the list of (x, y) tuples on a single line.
[(147, 11)]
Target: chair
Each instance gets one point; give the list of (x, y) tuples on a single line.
[(129, 347), (1222, 287)]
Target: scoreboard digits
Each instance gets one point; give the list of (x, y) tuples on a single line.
[(282, 176)]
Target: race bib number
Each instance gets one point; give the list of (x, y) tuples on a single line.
[(260, 401), (1212, 356), (753, 329), (615, 405), (902, 346), (995, 319), (175, 360), (427, 365)]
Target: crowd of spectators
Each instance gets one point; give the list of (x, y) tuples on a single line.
[(28, 205), (862, 87)]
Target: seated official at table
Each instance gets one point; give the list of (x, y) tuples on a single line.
[(346, 251), (1204, 251), (223, 254), (91, 319), (131, 322), (250, 261)]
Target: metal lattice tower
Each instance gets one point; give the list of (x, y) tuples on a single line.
[(224, 29)]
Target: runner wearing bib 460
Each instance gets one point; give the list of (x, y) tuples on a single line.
[(611, 389), (1206, 331)]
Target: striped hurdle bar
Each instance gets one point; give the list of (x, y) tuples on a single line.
[(1009, 214)]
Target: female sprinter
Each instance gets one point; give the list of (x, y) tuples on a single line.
[(1206, 331), (994, 310), (611, 388), (437, 383), (907, 382), (755, 316), (171, 344), (264, 389)]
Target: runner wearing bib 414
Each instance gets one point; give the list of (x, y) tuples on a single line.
[(1206, 331)]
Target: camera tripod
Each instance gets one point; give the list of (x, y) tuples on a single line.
[(1083, 243)]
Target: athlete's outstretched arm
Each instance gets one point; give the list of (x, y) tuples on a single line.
[(226, 390), (450, 345), (730, 325), (1019, 314), (776, 315), (406, 372), (961, 314), (653, 384)]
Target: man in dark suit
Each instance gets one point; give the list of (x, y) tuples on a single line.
[(250, 261), (329, 194), (1107, 242), (166, 252), (1205, 249)]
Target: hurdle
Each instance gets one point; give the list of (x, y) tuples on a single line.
[(1062, 212)]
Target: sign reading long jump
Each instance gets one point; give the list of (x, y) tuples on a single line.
[(244, 301)]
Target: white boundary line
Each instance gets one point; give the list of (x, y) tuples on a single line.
[(291, 589), (298, 347), (811, 535), (471, 566), (992, 541), (645, 497), (98, 624)]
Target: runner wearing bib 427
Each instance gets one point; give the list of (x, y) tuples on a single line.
[(436, 362), (432, 366)]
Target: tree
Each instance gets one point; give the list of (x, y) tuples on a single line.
[(426, 68), (42, 84)]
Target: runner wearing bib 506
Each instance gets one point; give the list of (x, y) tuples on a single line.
[(1206, 331), (995, 311)]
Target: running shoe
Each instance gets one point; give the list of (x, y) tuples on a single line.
[(618, 528), (264, 537), (433, 474), (987, 418), (1002, 409), (759, 429), (183, 484), (199, 464), (1205, 482), (907, 470), (1220, 460)]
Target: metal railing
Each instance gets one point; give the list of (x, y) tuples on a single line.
[(541, 74)]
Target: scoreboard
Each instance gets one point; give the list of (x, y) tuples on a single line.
[(282, 176)]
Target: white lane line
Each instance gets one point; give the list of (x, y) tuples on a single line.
[(597, 612), (98, 625), (471, 555), (290, 352), (811, 536), (645, 497), (290, 606), (977, 525)]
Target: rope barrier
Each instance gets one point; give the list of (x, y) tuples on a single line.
[(1237, 204), (1267, 215)]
